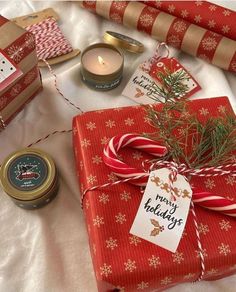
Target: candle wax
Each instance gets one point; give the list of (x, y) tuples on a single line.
[(112, 61)]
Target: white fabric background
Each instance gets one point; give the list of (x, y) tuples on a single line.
[(47, 250)]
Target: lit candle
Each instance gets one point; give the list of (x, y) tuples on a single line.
[(102, 66)]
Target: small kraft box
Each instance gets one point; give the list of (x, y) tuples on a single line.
[(20, 78), (123, 261)]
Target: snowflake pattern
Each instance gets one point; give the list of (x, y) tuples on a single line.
[(15, 52), (3, 102), (171, 8), (29, 41), (146, 20), (233, 66), (174, 40), (203, 228), (204, 253), (98, 221), (198, 3), (230, 180), (212, 271), (81, 165), (180, 26), (135, 240), (166, 281), (137, 155), (91, 126), (209, 183), (129, 122), (97, 159), (189, 276), (110, 124), (204, 111), (29, 78), (225, 225), (198, 18), (116, 17), (119, 5), (104, 198), (120, 218), (85, 143), (178, 257), (91, 179), (143, 285), (130, 265), (105, 270), (209, 44), (224, 249), (184, 13), (112, 177), (111, 243), (226, 12), (212, 7), (15, 90), (225, 29), (221, 109), (125, 196), (154, 261), (104, 140), (211, 23)]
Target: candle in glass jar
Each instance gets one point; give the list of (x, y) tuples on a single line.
[(102, 66)]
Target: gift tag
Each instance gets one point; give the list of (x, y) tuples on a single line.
[(161, 216), (9, 72), (174, 66), (141, 86)]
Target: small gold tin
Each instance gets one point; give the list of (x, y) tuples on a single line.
[(30, 178), (123, 41)]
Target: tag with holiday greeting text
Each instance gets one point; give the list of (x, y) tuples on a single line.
[(161, 216), (140, 87)]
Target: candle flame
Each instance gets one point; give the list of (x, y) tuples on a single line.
[(100, 60)]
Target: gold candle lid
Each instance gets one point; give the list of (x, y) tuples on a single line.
[(123, 41), (28, 174)]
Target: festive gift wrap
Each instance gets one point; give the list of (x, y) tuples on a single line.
[(20, 78), (177, 32), (122, 261)]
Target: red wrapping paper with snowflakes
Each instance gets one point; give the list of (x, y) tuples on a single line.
[(203, 13), (124, 261), (18, 46), (177, 32)]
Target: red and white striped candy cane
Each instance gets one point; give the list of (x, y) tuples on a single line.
[(121, 169)]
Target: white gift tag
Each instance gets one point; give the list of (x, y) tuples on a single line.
[(161, 217), (141, 86)]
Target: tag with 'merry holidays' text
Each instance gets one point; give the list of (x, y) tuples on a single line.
[(161, 218), (141, 86)]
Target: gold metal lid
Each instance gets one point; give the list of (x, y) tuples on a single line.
[(123, 41), (28, 174)]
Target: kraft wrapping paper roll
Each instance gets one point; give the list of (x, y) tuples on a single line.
[(177, 32), (203, 13)]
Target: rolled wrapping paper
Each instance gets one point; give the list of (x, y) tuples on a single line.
[(179, 33), (203, 13)]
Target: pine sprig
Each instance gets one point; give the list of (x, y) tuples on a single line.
[(172, 86), (190, 141)]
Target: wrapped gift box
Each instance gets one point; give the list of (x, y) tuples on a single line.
[(17, 48), (123, 262)]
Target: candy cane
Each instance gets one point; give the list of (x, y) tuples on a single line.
[(121, 169)]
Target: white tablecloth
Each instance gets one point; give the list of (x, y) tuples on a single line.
[(47, 250)]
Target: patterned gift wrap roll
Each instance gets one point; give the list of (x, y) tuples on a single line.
[(203, 13), (177, 32), (122, 261)]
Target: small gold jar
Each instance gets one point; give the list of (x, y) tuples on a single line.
[(30, 178)]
